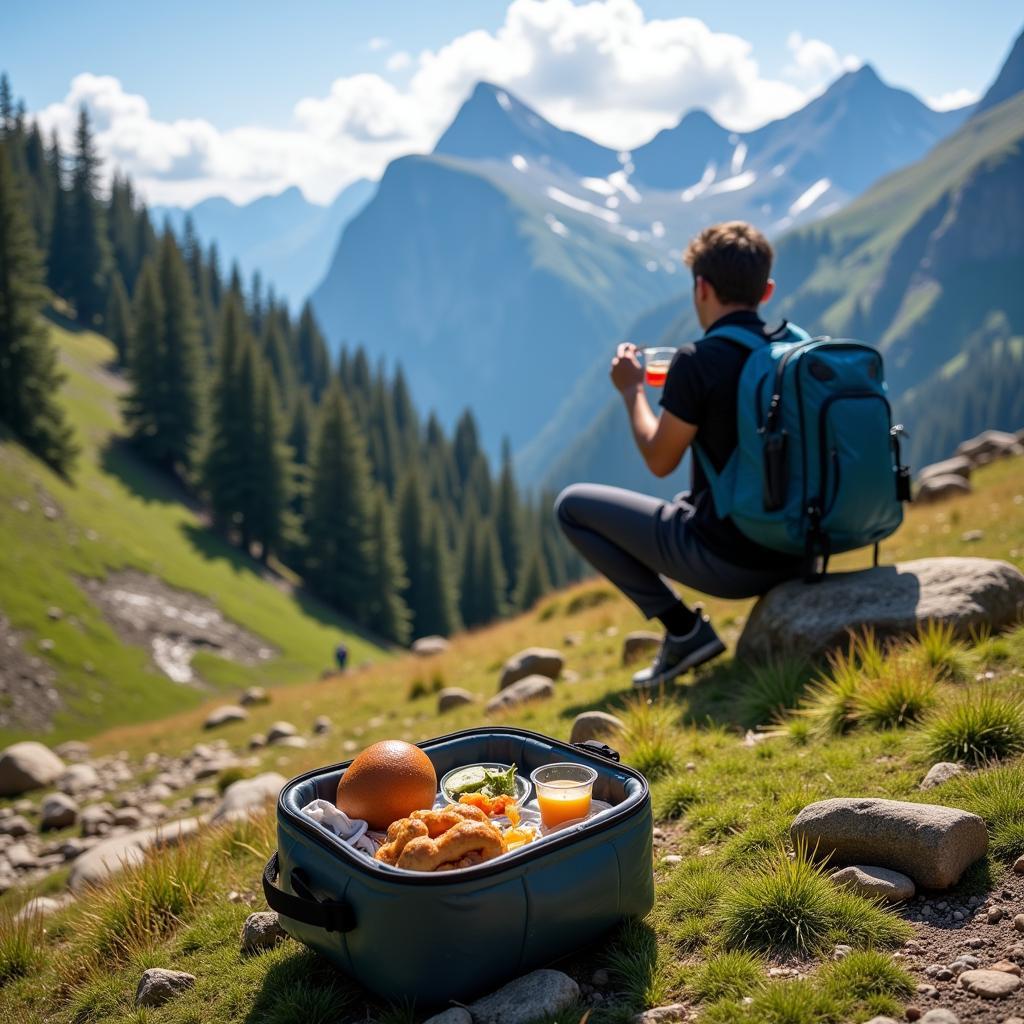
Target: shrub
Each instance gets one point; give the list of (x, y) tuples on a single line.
[(937, 648), (418, 688), (729, 975), (789, 905), (589, 599), (21, 946), (772, 689), (980, 727), (900, 696), (998, 796), (230, 775)]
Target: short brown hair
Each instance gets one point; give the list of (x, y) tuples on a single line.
[(734, 258)]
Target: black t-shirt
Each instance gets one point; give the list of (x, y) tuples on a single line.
[(701, 389)]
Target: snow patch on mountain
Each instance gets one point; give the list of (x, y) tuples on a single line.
[(809, 197)]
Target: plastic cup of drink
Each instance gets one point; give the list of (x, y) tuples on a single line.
[(656, 364), (564, 792)]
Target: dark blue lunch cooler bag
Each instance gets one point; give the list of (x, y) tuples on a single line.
[(435, 937)]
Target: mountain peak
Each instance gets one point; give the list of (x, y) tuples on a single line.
[(1010, 79)]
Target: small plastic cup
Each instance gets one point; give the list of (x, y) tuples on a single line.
[(564, 792), (656, 364)]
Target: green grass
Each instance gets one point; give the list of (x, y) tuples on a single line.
[(772, 689), (998, 796), (936, 648), (900, 696), (117, 513), (978, 727), (20, 946)]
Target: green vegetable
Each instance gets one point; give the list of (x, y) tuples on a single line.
[(490, 783)]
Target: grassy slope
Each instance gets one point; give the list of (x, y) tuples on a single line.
[(118, 513), (722, 816)]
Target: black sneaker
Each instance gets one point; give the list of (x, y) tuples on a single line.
[(679, 653)]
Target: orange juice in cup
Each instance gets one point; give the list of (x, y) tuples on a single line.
[(656, 364), (564, 792)]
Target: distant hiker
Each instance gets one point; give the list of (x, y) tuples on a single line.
[(741, 469), (341, 656)]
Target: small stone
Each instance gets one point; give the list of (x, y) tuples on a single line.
[(672, 860), (882, 1020), (534, 661), (1018, 922), (453, 697), (321, 725), (599, 977), (428, 646), (976, 943), (1018, 865), (520, 692), (664, 1015), (456, 1015), (926, 990), (941, 772), (128, 817), (542, 993), (40, 907), (257, 741), (841, 952), (1006, 966), (591, 725), (15, 826), (944, 974), (995, 915), (157, 986), (26, 766), (639, 643), (254, 695), (876, 882), (912, 1012), (225, 715), (940, 1015), (262, 931), (58, 810), (297, 742), (972, 536), (989, 984), (279, 730)]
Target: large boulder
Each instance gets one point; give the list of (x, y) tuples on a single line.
[(989, 445), (592, 725), (112, 855), (428, 646), (534, 661), (809, 619), (26, 766), (933, 845), (959, 465), (245, 796), (939, 488), (520, 692)]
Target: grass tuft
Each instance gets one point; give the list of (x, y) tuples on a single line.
[(900, 696), (866, 973), (730, 975), (674, 797), (980, 727), (21, 946), (773, 689), (636, 965), (937, 648), (651, 736), (830, 703), (997, 795)]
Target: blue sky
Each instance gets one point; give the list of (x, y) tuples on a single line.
[(246, 98)]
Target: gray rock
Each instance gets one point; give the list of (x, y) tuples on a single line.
[(535, 995), (118, 852), (989, 984), (882, 1020), (959, 465), (96, 820), (663, 1015), (872, 882), (257, 741), (15, 826), (453, 697), (534, 661), (639, 643), (58, 810), (279, 730), (590, 725), (225, 716), (940, 1015), (157, 986), (245, 796), (262, 931), (321, 725), (941, 772), (933, 845), (428, 646), (72, 750), (79, 778), (988, 446), (1018, 865), (128, 817), (42, 906), (940, 488), (520, 692), (808, 620), (297, 742), (26, 766), (254, 695), (456, 1015)]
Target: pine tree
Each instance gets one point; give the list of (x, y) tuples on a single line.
[(117, 321), (388, 613), (270, 468), (508, 522), (29, 377), (314, 363), (145, 354), (88, 258), (40, 185), (58, 261), (224, 463), (6, 107), (534, 582), (339, 527), (469, 574), (439, 613), (465, 447), (412, 528), (491, 585), (274, 345)]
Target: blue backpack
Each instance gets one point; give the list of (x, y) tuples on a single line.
[(817, 467)]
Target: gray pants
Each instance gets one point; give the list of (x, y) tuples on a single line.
[(640, 542)]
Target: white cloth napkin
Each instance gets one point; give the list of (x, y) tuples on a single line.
[(349, 830)]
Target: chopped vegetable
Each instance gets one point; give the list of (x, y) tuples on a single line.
[(493, 805), (478, 779)]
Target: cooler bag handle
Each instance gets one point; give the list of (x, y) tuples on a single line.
[(331, 915), (599, 748)]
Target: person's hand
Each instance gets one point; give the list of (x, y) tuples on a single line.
[(627, 374)]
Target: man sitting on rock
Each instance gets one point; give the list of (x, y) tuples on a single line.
[(638, 541)]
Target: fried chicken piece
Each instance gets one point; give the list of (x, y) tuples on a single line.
[(440, 821), (465, 838), (400, 833)]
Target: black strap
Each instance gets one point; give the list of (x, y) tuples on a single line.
[(304, 907), (875, 560), (599, 748)]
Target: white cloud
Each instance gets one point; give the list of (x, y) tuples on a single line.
[(953, 100), (600, 67), (398, 61)]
